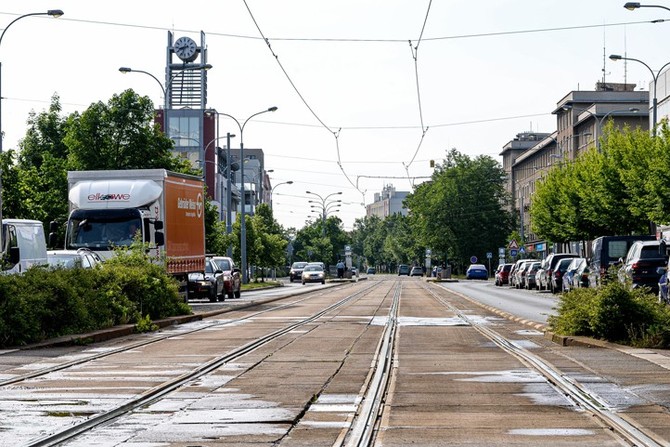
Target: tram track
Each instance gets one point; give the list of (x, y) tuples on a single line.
[(590, 402), (158, 392)]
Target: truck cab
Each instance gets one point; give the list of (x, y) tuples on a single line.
[(23, 245)]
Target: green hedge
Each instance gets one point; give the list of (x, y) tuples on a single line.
[(614, 312), (43, 303)]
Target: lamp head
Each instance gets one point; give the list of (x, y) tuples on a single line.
[(125, 69), (616, 57), (207, 67), (631, 6), (55, 13), (272, 109), (290, 182), (634, 109)]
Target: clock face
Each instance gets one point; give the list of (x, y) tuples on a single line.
[(186, 49)]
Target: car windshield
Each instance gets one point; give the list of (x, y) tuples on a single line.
[(298, 265), (65, 261), (222, 264), (313, 268)]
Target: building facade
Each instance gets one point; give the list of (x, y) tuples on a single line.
[(387, 202)]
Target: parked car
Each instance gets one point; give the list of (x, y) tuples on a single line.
[(371, 271), (416, 271), (541, 278), (518, 273), (296, 271), (313, 273), (232, 279), (557, 274), (80, 258), (608, 251), (502, 274), (570, 273), (549, 264), (530, 280), (403, 269), (512, 272), (477, 271), (641, 264), (208, 284)]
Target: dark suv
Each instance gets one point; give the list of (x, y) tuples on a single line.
[(642, 263)]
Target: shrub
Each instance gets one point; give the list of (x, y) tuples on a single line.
[(45, 303), (614, 312)]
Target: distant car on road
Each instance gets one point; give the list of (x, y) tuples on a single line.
[(313, 273), (208, 284), (296, 271), (371, 271), (232, 281), (403, 269), (476, 271), (416, 271)]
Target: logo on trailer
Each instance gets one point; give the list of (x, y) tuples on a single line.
[(109, 197), (199, 205)]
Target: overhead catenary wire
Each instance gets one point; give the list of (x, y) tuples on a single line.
[(302, 98)]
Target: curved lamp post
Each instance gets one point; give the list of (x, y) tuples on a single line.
[(51, 12), (323, 205), (243, 229), (631, 6), (272, 191), (616, 57)]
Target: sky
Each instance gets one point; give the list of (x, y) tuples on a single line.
[(367, 91)]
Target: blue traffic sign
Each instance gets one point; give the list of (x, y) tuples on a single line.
[(513, 252), (473, 259)]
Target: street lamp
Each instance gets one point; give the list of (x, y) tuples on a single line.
[(323, 205), (51, 12), (272, 191), (631, 6), (243, 229), (616, 57)]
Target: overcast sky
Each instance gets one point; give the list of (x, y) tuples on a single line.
[(368, 91)]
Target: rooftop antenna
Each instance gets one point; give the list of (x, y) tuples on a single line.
[(604, 55)]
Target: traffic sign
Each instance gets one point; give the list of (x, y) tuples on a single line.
[(513, 245), (522, 250), (501, 252), (512, 252), (489, 255), (473, 259)]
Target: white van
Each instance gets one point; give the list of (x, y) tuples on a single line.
[(23, 245)]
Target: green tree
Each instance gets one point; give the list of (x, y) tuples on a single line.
[(273, 241), (120, 134), (463, 210)]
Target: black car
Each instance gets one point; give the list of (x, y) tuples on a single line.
[(209, 284), (641, 264), (296, 271), (549, 264)]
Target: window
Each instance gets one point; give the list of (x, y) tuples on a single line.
[(184, 131)]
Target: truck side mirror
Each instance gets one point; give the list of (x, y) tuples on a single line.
[(159, 238), (158, 225), (53, 226), (53, 238)]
